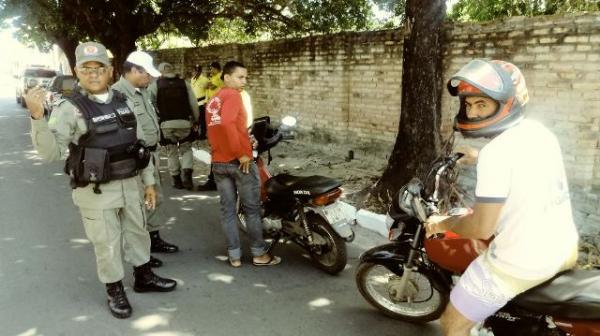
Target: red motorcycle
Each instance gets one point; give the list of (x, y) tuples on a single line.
[(301, 209), (410, 278)]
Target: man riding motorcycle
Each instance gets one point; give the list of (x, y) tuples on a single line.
[(522, 197)]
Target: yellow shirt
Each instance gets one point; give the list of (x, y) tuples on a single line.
[(248, 107), (216, 81), (199, 87)]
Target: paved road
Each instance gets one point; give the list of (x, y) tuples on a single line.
[(49, 284)]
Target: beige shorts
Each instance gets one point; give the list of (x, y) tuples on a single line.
[(483, 289)]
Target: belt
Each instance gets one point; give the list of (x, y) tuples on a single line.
[(152, 148), (236, 161)]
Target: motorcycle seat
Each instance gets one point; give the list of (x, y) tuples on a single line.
[(285, 184), (573, 294)]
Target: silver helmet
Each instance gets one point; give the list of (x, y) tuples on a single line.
[(498, 80)]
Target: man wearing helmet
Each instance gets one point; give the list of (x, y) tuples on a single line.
[(522, 197)]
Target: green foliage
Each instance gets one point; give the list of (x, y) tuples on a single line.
[(248, 20), (163, 38), (313, 16), (485, 10), (229, 31), (222, 31), (192, 19), (40, 23), (396, 10), (119, 24)]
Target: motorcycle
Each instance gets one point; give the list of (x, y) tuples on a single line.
[(411, 277), (301, 209)]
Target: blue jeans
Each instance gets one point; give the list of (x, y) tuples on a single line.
[(231, 183)]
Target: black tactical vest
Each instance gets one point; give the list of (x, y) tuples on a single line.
[(172, 99), (109, 149)]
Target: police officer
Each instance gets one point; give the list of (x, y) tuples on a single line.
[(212, 88), (138, 71), (199, 82), (178, 113), (98, 124), (215, 82)]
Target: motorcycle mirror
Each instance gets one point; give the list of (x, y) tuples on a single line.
[(289, 121)]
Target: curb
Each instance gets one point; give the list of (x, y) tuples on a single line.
[(366, 219), (370, 228)]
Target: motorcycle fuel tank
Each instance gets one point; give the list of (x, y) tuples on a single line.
[(452, 252)]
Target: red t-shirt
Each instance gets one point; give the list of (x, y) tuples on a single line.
[(226, 126)]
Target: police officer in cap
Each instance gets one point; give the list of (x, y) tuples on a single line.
[(138, 71), (178, 113), (108, 165)]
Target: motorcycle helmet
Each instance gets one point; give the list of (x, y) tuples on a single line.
[(497, 80), (265, 134)]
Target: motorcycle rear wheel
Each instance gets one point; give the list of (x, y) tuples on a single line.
[(331, 256), (241, 218), (423, 302)]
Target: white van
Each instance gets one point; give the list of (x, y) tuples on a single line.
[(31, 77)]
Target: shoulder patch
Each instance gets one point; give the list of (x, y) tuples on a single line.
[(64, 105), (59, 101)]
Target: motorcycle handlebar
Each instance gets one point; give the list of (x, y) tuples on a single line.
[(448, 162), (455, 157)]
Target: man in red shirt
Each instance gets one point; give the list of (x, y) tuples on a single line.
[(235, 171)]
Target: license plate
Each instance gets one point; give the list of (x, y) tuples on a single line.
[(334, 214)]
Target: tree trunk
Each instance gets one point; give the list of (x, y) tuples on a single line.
[(120, 49), (68, 47), (418, 141)]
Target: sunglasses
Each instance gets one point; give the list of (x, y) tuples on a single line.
[(96, 71)]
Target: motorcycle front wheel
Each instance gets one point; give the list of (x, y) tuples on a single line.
[(420, 302), (329, 252)]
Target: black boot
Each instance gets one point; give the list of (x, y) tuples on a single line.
[(117, 300), (187, 179), (155, 262), (209, 184), (147, 281), (177, 183), (157, 245)]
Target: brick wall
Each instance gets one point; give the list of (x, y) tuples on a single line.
[(346, 87), (343, 86)]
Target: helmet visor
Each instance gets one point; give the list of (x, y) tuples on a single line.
[(482, 75)]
